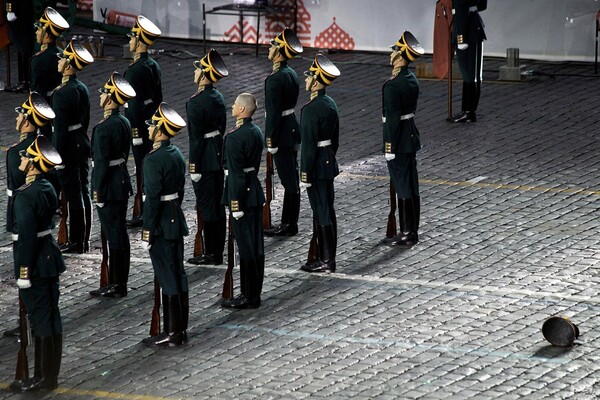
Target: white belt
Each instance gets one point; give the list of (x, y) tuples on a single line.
[(472, 8), (113, 163), (287, 112), (246, 170), (211, 134), (73, 127), (9, 192), (169, 197), (324, 143), (407, 116), (15, 236), (148, 101)]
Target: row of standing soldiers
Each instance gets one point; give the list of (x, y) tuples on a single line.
[(223, 169)]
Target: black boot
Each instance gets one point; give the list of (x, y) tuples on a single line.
[(407, 216), (313, 250), (327, 250), (289, 216), (76, 231), (13, 332), (249, 281), (211, 255), (49, 367), (89, 220), (417, 206), (172, 334), (185, 315), (118, 273)]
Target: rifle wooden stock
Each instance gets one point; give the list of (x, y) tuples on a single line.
[(63, 234), (313, 248), (137, 200), (228, 282), (391, 222), (104, 263), (199, 240), (22, 372), (155, 324), (269, 192)]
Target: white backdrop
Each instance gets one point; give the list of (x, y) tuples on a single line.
[(541, 29)]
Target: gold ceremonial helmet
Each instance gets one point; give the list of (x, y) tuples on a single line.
[(42, 154), (144, 30), (408, 46), (288, 43), (37, 110), (167, 119), (213, 66), (77, 54), (323, 70), (118, 88), (52, 22)]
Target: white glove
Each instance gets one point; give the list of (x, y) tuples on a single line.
[(100, 205), (463, 46), (23, 283), (237, 214), (305, 185), (196, 177), (137, 141), (272, 150), (389, 156), (11, 16), (146, 245)]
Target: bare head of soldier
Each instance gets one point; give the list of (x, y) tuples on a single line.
[(244, 106)]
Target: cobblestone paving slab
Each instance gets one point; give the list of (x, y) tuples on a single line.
[(508, 238)]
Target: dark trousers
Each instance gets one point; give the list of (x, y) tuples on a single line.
[(113, 221), (209, 191), (41, 303), (75, 182), (248, 233), (321, 196), (286, 162), (167, 261), (404, 176), (470, 62)]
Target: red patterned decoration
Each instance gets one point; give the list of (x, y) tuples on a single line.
[(334, 37)]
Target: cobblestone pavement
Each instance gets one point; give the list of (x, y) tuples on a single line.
[(508, 238)]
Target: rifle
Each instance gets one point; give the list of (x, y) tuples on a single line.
[(313, 248), (270, 192), (137, 200), (199, 241), (155, 324), (104, 263), (22, 372), (228, 283), (391, 222), (63, 234)]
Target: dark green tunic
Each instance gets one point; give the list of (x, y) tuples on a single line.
[(144, 76), (281, 131), (111, 184), (400, 134), (14, 177), (34, 206), (164, 222), (44, 71), (206, 114), (468, 24)]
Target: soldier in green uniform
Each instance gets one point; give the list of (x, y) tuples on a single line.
[(281, 127), (164, 223), (19, 14), (468, 35), (244, 197), (45, 76), (401, 139), (71, 104), (144, 75), (320, 129), (38, 262), (33, 114), (111, 184), (206, 114)]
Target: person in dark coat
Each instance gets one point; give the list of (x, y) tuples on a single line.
[(244, 198), (33, 114), (38, 263), (468, 34), (401, 139), (207, 116), (164, 224), (111, 183), (320, 129), (19, 14), (281, 127), (144, 75), (45, 76), (71, 103)]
